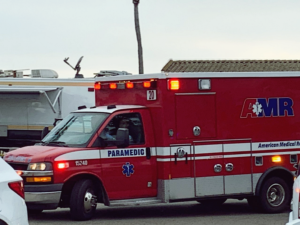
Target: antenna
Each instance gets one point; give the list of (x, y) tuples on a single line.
[(77, 67)]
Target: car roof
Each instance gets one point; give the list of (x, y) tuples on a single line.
[(110, 109)]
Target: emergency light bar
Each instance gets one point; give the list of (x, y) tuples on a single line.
[(126, 85)]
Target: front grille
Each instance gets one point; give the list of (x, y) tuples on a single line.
[(18, 166)]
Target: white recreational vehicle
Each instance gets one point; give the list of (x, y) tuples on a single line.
[(30, 103)]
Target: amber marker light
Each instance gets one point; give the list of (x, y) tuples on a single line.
[(173, 84), (97, 86), (38, 179), (113, 86), (276, 158), (129, 85)]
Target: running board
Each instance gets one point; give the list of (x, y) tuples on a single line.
[(135, 202)]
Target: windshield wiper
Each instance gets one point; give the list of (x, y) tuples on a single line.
[(56, 143), (67, 124)]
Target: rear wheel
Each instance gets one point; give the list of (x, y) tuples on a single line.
[(275, 195), (83, 201)]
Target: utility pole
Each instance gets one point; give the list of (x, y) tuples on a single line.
[(138, 36)]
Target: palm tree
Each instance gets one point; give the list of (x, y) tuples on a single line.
[(138, 36)]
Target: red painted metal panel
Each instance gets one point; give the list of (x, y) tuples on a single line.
[(192, 111)]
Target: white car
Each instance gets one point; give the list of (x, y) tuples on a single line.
[(294, 217), (13, 209)]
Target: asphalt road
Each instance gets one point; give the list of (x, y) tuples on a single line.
[(232, 212)]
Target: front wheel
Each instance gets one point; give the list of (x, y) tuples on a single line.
[(83, 201), (275, 195)]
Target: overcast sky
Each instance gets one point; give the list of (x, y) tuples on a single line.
[(39, 34)]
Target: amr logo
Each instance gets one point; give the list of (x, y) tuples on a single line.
[(263, 107)]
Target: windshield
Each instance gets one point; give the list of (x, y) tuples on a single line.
[(75, 130)]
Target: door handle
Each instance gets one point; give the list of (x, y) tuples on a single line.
[(148, 153), (218, 168), (229, 167)]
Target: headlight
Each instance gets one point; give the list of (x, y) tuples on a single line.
[(40, 166)]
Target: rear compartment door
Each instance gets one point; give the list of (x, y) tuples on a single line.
[(181, 180), (209, 169), (223, 167), (195, 112)]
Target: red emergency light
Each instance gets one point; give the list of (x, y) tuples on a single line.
[(113, 86), (97, 86), (147, 84), (173, 84), (129, 85), (63, 165)]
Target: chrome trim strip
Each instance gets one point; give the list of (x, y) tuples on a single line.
[(202, 93), (31, 173)]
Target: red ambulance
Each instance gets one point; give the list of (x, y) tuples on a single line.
[(170, 137)]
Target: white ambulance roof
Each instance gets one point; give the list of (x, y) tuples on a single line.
[(199, 75), (105, 110)]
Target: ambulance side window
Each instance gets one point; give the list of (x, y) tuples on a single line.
[(131, 121)]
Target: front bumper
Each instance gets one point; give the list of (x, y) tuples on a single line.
[(45, 196)]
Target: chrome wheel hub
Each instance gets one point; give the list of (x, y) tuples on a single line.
[(90, 200), (275, 195)]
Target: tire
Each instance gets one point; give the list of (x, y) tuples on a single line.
[(275, 195), (212, 202), (2, 222), (83, 200)]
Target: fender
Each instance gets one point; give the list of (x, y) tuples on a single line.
[(81, 173), (87, 174), (275, 170)]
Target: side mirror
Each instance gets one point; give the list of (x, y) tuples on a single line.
[(122, 138), (56, 121), (45, 131)]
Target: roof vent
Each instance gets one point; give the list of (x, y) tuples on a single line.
[(81, 107), (107, 73), (43, 73), (111, 107)]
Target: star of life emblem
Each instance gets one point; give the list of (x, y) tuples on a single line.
[(128, 169), (257, 108)]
